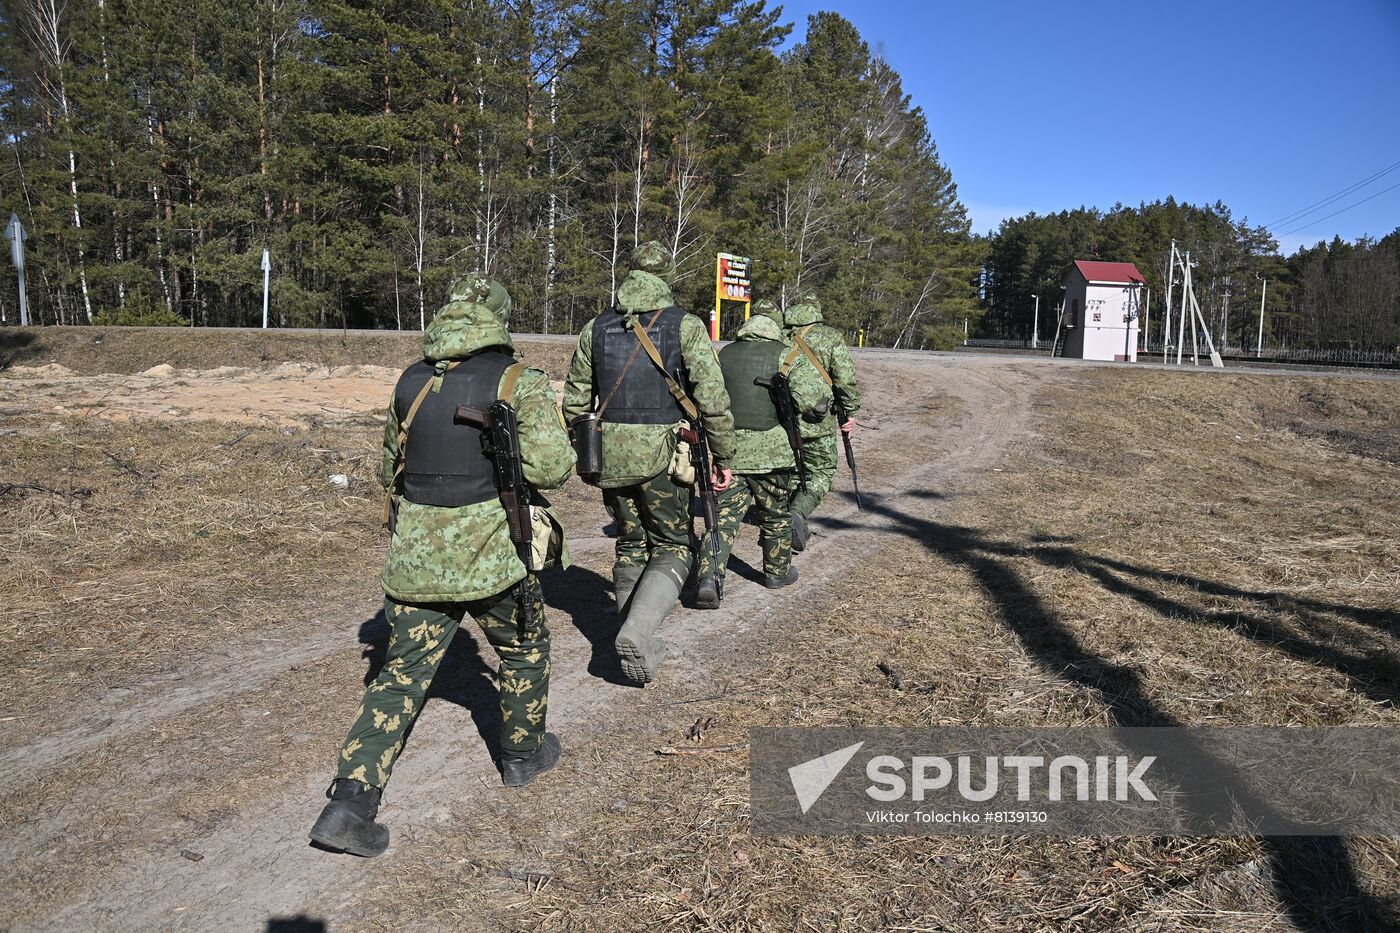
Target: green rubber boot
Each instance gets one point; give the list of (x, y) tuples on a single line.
[(624, 583), (800, 532), (639, 647)]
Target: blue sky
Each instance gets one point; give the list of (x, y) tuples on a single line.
[(1267, 106)]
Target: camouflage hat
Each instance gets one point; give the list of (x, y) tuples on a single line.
[(767, 307), (809, 298), (651, 257), (482, 289)]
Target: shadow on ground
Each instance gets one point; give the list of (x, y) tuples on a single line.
[(1313, 876)]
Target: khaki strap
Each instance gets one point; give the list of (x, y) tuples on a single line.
[(626, 367), (508, 382), (672, 386), (800, 346)]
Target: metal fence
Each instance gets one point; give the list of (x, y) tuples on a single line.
[(1377, 359)]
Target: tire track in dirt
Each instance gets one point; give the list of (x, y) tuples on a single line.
[(257, 865)]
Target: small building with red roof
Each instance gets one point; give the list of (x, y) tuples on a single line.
[(1102, 309)]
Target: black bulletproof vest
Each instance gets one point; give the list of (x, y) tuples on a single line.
[(642, 398), (742, 362), (443, 461)]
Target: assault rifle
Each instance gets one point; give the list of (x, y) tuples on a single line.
[(780, 394), (693, 433), (842, 416), (500, 441)]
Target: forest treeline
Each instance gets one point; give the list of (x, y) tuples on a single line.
[(376, 149), (155, 148), (1334, 295)]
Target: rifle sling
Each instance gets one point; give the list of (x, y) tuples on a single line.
[(800, 346), (672, 386)]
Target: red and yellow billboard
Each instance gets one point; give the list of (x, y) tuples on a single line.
[(733, 282)]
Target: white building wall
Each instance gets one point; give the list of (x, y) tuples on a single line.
[(1107, 335)]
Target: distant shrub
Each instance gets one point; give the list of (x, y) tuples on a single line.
[(140, 311)]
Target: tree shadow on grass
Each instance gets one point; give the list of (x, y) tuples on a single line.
[(1313, 876)]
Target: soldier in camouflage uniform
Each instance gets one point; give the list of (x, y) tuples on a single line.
[(828, 351), (764, 463), (611, 374), (451, 557)]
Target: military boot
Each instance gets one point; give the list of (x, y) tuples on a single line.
[(774, 583), (708, 593), (624, 583), (800, 532), (347, 823), (518, 770), (638, 646)]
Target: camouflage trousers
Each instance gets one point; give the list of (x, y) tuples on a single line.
[(652, 518), (770, 494), (418, 639), (819, 469)]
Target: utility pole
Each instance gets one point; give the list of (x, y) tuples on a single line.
[(14, 232), (1146, 317), (267, 272), (1263, 293), (1035, 328), (1167, 320), (1225, 328)]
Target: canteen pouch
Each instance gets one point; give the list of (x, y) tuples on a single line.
[(586, 432), (682, 469), (546, 539)]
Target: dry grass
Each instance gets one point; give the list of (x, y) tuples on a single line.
[(135, 349), (1167, 553), (135, 544)]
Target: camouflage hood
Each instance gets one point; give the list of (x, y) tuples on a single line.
[(800, 315), (460, 328), (642, 291), (760, 327)]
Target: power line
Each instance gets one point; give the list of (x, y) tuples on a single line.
[(1313, 223), (1303, 212)]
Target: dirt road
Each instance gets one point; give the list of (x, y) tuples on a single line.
[(183, 802)]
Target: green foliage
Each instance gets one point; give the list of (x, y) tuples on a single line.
[(379, 149)]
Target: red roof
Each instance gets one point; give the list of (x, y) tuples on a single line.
[(1108, 271)]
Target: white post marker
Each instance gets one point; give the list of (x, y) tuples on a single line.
[(14, 232), (1035, 328), (1258, 349), (267, 270)]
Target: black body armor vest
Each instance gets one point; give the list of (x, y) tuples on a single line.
[(642, 398), (742, 362), (443, 464)]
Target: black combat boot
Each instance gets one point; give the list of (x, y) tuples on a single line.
[(707, 593), (774, 583), (347, 823), (800, 532), (518, 770)]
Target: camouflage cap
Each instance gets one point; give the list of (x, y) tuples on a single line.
[(482, 289), (651, 257), (767, 307), (809, 298)]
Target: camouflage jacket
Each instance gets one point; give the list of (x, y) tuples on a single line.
[(830, 349), (765, 451), (634, 453), (442, 554)]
